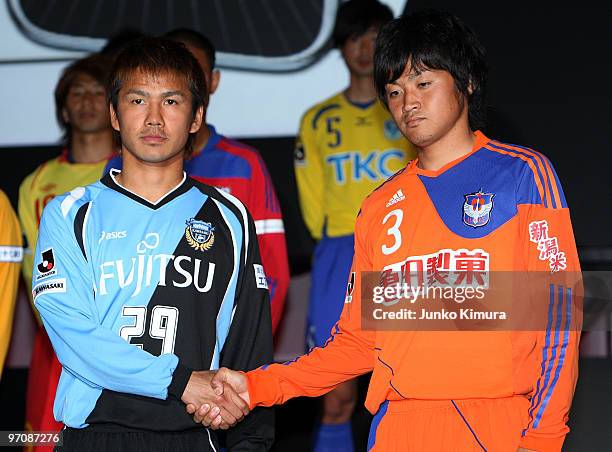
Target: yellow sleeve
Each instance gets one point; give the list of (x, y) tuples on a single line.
[(11, 252), (29, 225), (309, 176)]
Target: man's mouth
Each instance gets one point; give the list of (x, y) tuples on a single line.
[(153, 138)]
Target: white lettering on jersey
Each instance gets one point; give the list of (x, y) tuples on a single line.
[(57, 285), (141, 270), (11, 253), (112, 235)]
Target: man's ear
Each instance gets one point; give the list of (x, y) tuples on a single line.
[(470, 88), (114, 118), (214, 81), (197, 120)]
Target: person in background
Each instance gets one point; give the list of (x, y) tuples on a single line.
[(347, 146), (11, 254), (82, 113), (239, 170)]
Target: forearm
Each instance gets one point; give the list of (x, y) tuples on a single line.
[(90, 351), (321, 370)]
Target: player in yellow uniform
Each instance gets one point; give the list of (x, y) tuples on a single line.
[(11, 253), (82, 112), (347, 146)]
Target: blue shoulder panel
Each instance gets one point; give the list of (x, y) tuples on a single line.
[(495, 176), (217, 163)]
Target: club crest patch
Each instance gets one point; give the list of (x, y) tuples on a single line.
[(477, 209), (199, 234)]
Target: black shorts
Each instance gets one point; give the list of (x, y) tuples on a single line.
[(113, 439)]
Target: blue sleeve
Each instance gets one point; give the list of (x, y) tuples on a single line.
[(63, 293)]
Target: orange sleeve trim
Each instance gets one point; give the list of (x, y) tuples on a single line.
[(542, 187), (547, 170)]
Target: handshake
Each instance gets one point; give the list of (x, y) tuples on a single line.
[(217, 399)]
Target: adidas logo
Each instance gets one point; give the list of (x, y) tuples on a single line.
[(397, 197)]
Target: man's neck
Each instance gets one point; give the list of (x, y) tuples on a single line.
[(150, 181), (453, 145), (91, 147), (202, 137), (361, 89)]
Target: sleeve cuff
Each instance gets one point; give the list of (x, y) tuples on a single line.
[(251, 387), (542, 444), (262, 391), (180, 378)]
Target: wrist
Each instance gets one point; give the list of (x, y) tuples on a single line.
[(180, 380)]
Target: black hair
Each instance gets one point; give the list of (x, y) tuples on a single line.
[(195, 39), (159, 56), (431, 39), (119, 40), (355, 17), (97, 67)]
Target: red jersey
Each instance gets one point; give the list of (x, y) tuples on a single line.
[(240, 170)]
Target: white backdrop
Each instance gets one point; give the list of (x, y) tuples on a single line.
[(247, 104)]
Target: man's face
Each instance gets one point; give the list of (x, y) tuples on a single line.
[(426, 105), (154, 116), (85, 108), (358, 53)]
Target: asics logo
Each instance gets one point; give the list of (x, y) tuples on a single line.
[(112, 235)]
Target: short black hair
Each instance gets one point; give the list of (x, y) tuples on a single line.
[(97, 66), (438, 40), (159, 56), (119, 40), (355, 17), (196, 39)]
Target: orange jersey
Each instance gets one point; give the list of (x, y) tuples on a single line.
[(499, 208)]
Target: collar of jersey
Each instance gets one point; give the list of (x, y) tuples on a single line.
[(359, 105), (183, 186), (213, 139), (479, 143), (66, 157)]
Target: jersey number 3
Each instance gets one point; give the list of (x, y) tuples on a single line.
[(394, 231), (164, 321)]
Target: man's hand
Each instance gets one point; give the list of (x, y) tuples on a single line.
[(225, 381), (227, 406), (521, 449)]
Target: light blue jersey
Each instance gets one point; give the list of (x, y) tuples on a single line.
[(135, 295)]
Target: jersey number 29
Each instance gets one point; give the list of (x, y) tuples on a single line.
[(164, 321)]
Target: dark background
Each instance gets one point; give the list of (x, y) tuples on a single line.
[(549, 89)]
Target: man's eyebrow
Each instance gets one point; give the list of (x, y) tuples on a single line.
[(137, 91), (165, 94), (415, 73), (173, 93)]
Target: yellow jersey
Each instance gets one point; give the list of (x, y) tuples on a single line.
[(11, 253), (53, 177), (343, 152)]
